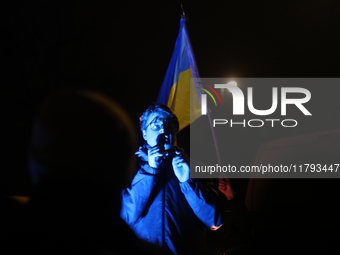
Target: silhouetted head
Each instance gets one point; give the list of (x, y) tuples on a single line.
[(81, 136)]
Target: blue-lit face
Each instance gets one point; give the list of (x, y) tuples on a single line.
[(159, 123)]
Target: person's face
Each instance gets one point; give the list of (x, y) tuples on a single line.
[(159, 124)]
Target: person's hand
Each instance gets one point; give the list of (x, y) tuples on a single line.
[(225, 187), (142, 153), (180, 164), (154, 155)]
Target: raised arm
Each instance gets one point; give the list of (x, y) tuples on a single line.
[(203, 199), (206, 203), (135, 199)]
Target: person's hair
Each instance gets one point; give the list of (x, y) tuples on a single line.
[(161, 108)]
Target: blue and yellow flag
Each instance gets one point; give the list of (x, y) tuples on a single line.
[(176, 87)]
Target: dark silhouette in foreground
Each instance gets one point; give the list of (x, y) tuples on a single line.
[(81, 155)]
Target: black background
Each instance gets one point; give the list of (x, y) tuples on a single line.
[(123, 49)]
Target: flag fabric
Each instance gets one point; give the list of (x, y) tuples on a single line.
[(176, 89)]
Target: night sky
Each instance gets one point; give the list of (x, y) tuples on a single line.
[(123, 48)]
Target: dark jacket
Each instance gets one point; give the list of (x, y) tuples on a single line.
[(163, 211)]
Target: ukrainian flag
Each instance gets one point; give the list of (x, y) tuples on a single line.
[(177, 92)]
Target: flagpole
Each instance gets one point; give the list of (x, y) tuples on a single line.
[(182, 10), (195, 71), (215, 141)]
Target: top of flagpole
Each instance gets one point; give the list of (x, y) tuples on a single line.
[(182, 12)]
